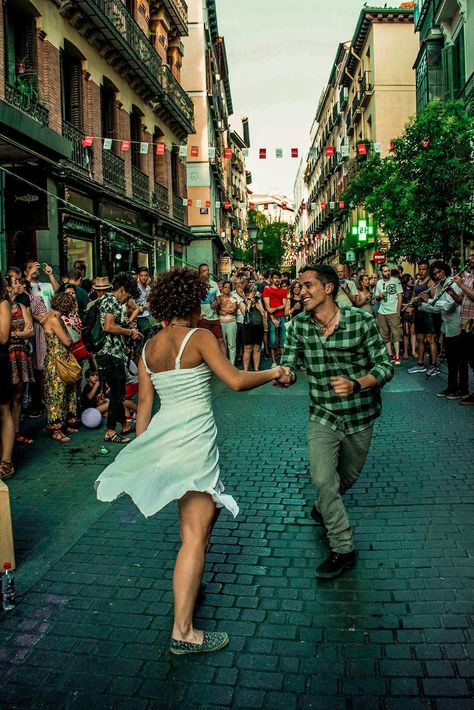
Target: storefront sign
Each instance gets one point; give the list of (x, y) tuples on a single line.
[(116, 213), (26, 207), (350, 255), (225, 265)]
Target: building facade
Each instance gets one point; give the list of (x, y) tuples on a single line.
[(445, 63), (92, 111), (369, 97), (240, 179)]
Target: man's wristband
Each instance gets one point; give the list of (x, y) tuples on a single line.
[(357, 386)]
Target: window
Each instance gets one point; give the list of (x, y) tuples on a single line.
[(175, 170), (136, 137), (109, 113), (20, 44), (71, 89), (459, 63)]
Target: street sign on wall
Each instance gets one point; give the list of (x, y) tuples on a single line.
[(350, 255), (380, 257)]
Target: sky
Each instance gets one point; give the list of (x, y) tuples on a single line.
[(280, 54)]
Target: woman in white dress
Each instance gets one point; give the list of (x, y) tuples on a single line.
[(175, 455)]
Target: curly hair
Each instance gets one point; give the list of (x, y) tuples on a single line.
[(177, 293), (65, 303)]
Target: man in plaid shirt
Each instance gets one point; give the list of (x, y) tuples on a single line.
[(347, 364)]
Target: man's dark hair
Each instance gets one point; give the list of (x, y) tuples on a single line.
[(275, 273), (424, 262), (440, 265), (87, 285), (75, 274), (201, 265), (266, 274), (80, 265), (14, 270), (324, 273), (143, 269), (224, 283), (127, 282)]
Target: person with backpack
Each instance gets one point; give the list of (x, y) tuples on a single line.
[(110, 348)]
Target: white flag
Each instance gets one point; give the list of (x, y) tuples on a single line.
[(198, 203), (345, 151), (185, 202), (212, 153), (218, 204), (144, 148), (107, 145), (279, 153), (245, 152), (183, 151), (377, 147)]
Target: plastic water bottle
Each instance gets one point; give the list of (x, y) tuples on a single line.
[(8, 588), (103, 450)]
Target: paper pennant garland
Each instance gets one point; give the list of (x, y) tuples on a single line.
[(160, 149), (279, 153), (144, 148), (294, 152), (227, 205), (194, 151), (323, 205), (245, 152), (183, 151), (262, 153), (362, 149), (313, 205), (190, 203), (125, 146), (313, 152), (212, 153), (329, 150), (107, 144), (341, 204), (218, 204), (198, 203), (332, 205), (87, 141), (377, 147), (208, 203), (227, 152), (345, 151)]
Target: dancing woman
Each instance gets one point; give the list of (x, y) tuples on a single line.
[(175, 455)]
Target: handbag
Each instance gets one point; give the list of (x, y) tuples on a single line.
[(69, 371), (80, 351)]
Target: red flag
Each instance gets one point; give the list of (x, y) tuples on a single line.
[(425, 142), (190, 203), (87, 141), (194, 151), (227, 152), (125, 146), (341, 204), (160, 149), (251, 206), (227, 205), (208, 203), (392, 147), (303, 205), (262, 153), (362, 149), (234, 232), (329, 150), (323, 205), (294, 152), (283, 205)]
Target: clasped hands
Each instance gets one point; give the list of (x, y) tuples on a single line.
[(341, 386)]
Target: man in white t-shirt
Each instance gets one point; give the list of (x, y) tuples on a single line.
[(389, 293), (44, 289)]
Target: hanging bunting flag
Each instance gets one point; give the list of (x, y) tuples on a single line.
[(251, 206), (212, 153), (160, 149), (279, 153), (262, 153), (332, 205), (189, 203), (218, 204), (185, 201), (194, 151), (341, 204), (303, 205), (362, 149), (323, 205), (183, 151), (283, 206), (329, 150), (198, 203), (227, 205), (313, 152), (87, 141), (125, 146), (392, 147), (313, 205), (425, 142), (234, 232), (377, 147), (294, 152), (345, 151), (144, 148), (245, 152), (208, 204), (227, 152), (265, 206), (107, 144)]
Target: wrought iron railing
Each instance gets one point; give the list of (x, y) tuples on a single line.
[(160, 198), (113, 169), (81, 157), (178, 208), (24, 97), (467, 95), (140, 185), (179, 12), (364, 85), (175, 93)]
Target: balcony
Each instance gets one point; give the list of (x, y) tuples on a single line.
[(108, 26), (160, 199), (178, 11), (113, 170), (355, 105), (24, 97), (81, 157), (365, 89), (178, 208), (467, 95), (140, 185), (349, 122), (336, 114)]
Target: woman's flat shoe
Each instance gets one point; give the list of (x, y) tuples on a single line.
[(212, 641), (117, 439)]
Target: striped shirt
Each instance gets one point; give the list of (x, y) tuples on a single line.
[(353, 350), (467, 306)]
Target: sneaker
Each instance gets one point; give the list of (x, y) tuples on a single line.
[(443, 393), (432, 371), (467, 400), (391, 358), (336, 563), (419, 367), (212, 641), (453, 395), (397, 361)]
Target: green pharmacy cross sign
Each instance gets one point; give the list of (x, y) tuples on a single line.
[(362, 230)]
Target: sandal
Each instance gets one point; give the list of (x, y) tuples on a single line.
[(117, 439), (131, 428), (7, 470), (57, 435), (70, 430), (23, 439), (73, 423)]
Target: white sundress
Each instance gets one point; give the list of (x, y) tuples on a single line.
[(178, 451)]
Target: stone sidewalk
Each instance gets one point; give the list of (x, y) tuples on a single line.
[(92, 626)]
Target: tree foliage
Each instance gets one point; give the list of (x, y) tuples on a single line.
[(422, 193), (273, 235)]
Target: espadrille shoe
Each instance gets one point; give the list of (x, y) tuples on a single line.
[(212, 641)]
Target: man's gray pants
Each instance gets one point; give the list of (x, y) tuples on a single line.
[(336, 459)]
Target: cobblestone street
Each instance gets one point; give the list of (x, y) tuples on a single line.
[(93, 621)]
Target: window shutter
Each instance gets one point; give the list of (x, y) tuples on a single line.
[(10, 49), (75, 95)]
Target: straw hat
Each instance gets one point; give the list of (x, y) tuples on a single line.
[(102, 283)]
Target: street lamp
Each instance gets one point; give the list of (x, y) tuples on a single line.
[(260, 255), (253, 233)]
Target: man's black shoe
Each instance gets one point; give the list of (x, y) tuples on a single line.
[(336, 563), (317, 517)]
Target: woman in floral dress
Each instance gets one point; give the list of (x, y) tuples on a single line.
[(60, 399), (20, 357)]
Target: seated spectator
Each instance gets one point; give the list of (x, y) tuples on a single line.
[(93, 394)]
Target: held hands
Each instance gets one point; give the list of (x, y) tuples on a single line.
[(341, 386), (283, 378), (135, 334)]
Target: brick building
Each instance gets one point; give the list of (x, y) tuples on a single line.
[(77, 79)]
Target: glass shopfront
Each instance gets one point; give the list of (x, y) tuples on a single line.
[(80, 250)]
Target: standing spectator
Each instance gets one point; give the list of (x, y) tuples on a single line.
[(82, 297), (275, 299), (7, 429), (424, 325), (44, 289), (239, 295), (450, 310), (20, 355), (347, 295), (389, 293), (110, 358), (373, 287), (209, 318), (252, 333), (80, 266), (294, 304), (466, 284), (365, 294), (266, 281), (144, 322), (408, 320), (227, 308), (60, 399)]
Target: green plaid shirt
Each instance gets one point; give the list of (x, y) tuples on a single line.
[(354, 349)]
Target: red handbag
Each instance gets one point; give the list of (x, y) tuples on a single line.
[(79, 351)]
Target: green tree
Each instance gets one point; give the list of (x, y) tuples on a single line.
[(422, 194), (273, 235)]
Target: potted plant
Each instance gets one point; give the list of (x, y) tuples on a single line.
[(20, 65)]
